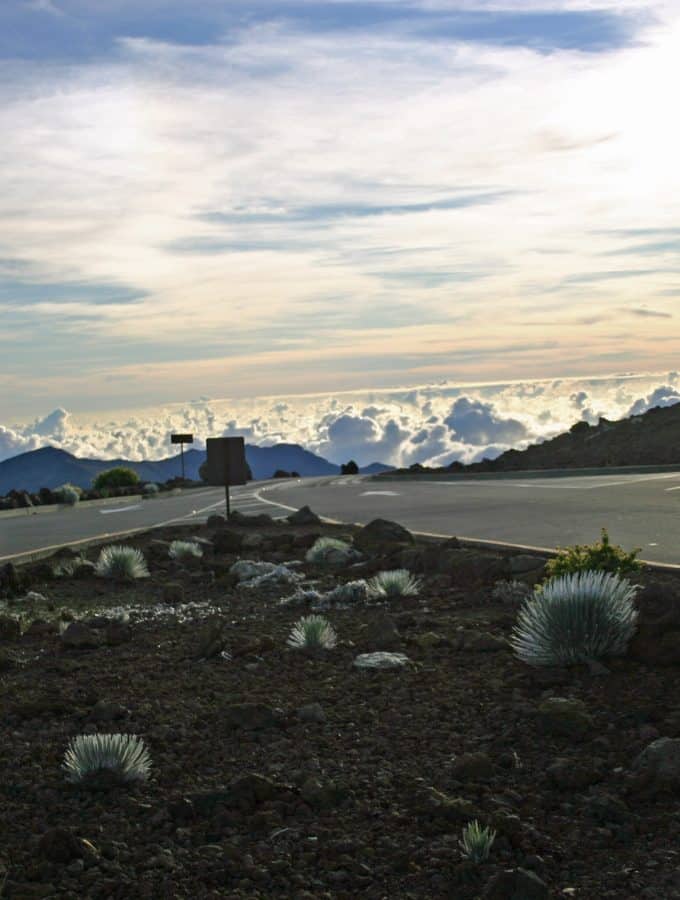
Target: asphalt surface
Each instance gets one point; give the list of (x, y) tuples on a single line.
[(33, 531), (639, 510)]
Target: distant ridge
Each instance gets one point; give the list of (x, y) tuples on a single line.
[(650, 439), (49, 467)]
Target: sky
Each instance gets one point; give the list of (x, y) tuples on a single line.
[(244, 200)]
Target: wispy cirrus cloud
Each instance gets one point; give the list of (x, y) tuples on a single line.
[(294, 193)]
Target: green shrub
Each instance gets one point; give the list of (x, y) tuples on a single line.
[(119, 476), (151, 489), (601, 556), (580, 617)]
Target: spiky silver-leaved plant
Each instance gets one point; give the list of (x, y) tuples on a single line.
[(125, 563), (185, 550), (349, 593), (329, 551), (312, 633), (576, 618), (106, 758), (477, 842), (393, 583)]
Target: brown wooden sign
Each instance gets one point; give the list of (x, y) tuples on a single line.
[(181, 438), (226, 461)]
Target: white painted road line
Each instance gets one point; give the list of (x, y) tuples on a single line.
[(107, 512), (380, 494)]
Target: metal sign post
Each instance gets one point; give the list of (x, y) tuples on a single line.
[(226, 459), (182, 439)]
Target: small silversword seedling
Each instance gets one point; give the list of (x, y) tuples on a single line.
[(185, 550), (351, 592), (126, 563), (328, 551), (312, 633), (477, 842), (576, 618), (395, 583), (106, 759)]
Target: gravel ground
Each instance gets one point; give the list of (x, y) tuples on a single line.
[(276, 773)]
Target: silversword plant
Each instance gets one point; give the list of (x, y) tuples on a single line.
[(394, 583), (349, 593), (576, 618), (125, 563), (477, 842), (328, 551), (312, 633), (106, 759), (185, 550)]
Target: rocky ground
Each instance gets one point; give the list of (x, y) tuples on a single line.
[(280, 774)]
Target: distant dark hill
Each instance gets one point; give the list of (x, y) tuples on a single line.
[(651, 439), (375, 468), (49, 467)]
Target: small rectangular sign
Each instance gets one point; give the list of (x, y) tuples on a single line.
[(181, 438), (226, 461)]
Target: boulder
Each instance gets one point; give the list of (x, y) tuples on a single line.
[(251, 716), (659, 762), (380, 534), (564, 717), (59, 845), (516, 884), (304, 516), (382, 634), (469, 566), (259, 521), (476, 766), (172, 593), (78, 636), (525, 562), (10, 629), (656, 644), (312, 712), (215, 521), (227, 541), (575, 775)]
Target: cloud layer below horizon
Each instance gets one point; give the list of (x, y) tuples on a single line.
[(273, 196), (433, 424)]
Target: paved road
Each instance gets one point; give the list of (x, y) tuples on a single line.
[(33, 532), (639, 510)]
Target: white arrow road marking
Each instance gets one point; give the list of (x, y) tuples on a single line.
[(107, 512), (380, 494)]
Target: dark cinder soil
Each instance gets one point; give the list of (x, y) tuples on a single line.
[(253, 796)]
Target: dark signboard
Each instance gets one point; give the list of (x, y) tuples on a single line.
[(181, 438), (226, 461)]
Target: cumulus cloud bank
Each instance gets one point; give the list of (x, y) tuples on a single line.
[(428, 424)]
